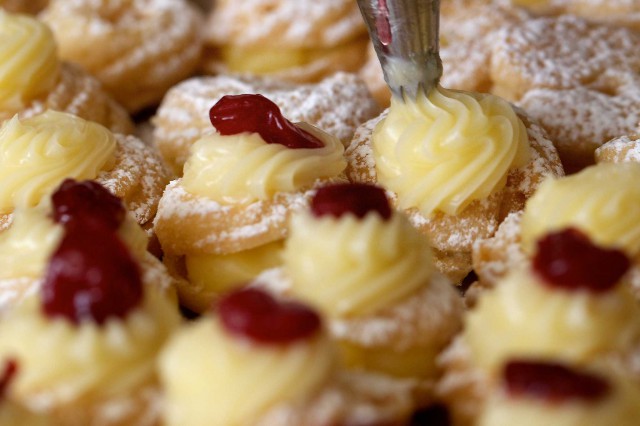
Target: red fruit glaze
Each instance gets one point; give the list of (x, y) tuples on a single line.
[(355, 198), (91, 276), (256, 315), (551, 382), (569, 260), (6, 376), (234, 114), (88, 199)]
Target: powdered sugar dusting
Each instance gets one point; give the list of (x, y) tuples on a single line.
[(138, 177), (300, 23)]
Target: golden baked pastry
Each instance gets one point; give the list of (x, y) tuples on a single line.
[(455, 185), (584, 315), (240, 184), (387, 306), (466, 30), (34, 233), (601, 200), (36, 79), (137, 49), (87, 340), (23, 6), (293, 40), (262, 373), (38, 153), (338, 105), (578, 79), (612, 12)]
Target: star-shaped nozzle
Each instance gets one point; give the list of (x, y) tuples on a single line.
[(405, 36)]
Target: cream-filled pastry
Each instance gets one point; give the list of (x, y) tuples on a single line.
[(87, 340), (298, 41), (33, 79), (577, 78), (337, 104), (584, 316), (601, 200), (457, 163), (34, 233), (240, 184), (371, 273), (540, 393), (268, 362), (38, 153), (137, 49)]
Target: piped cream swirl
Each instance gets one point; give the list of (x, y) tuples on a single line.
[(244, 168), (602, 200), (351, 266), (447, 149), (37, 153), (29, 64)]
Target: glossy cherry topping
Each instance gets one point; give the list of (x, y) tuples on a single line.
[(355, 198), (88, 199), (234, 114), (569, 260), (255, 314), (91, 276), (6, 376), (552, 382)]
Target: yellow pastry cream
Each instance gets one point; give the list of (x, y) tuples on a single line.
[(29, 65), (37, 153), (573, 397), (352, 266), (602, 200), (522, 317), (243, 168), (213, 274), (447, 148), (210, 371)]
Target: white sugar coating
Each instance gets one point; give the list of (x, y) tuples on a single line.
[(144, 44), (177, 207), (138, 177), (580, 120), (285, 23), (622, 149), (563, 52), (430, 316)]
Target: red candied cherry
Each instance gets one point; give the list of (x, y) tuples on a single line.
[(234, 114), (91, 276), (552, 382), (6, 376), (88, 199), (355, 198), (258, 316), (569, 260)]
